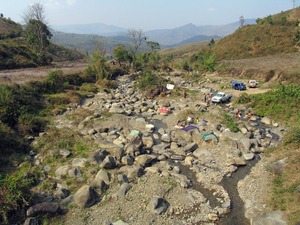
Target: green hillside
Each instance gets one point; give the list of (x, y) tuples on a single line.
[(85, 42), (9, 29), (272, 35), (16, 53)]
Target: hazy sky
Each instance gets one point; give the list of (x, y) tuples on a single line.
[(148, 14)]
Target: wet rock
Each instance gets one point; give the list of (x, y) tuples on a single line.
[(84, 197), (157, 205), (45, 208)]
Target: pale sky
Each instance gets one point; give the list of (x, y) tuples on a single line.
[(148, 14)]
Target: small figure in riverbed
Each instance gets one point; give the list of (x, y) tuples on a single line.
[(249, 116), (184, 94), (237, 113), (208, 101), (204, 97)]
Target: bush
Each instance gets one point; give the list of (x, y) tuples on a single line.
[(29, 124), (15, 194)]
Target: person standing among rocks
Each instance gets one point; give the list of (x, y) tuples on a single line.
[(204, 97), (249, 116)]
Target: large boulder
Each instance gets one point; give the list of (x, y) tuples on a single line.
[(62, 171), (45, 208), (157, 205), (134, 172), (84, 197), (103, 175), (145, 159), (190, 148), (122, 191), (134, 146), (148, 141), (266, 120), (79, 162), (109, 162), (97, 157)]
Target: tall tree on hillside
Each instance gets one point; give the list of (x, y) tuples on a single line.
[(153, 45), (294, 4), (36, 25), (136, 37), (242, 21)]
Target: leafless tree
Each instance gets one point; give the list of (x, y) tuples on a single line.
[(136, 37), (99, 47), (34, 18), (242, 21), (294, 4), (34, 11)]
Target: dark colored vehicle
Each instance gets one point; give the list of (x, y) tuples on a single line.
[(238, 85)]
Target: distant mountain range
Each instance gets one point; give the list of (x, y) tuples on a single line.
[(186, 34)]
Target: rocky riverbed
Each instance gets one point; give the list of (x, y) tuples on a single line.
[(146, 170)]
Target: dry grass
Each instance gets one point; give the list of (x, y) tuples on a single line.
[(22, 76)]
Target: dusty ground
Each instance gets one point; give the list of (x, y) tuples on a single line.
[(21, 76)]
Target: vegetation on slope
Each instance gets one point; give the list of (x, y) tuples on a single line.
[(9, 29)]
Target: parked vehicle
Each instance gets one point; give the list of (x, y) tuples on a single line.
[(221, 97), (252, 83), (238, 86)]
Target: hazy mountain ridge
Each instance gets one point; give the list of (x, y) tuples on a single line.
[(162, 36)]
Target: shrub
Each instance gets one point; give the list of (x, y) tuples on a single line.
[(28, 124), (15, 194)]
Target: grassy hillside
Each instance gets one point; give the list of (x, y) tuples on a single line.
[(84, 42), (9, 29), (185, 51), (16, 53)]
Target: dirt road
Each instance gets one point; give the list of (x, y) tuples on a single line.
[(21, 76)]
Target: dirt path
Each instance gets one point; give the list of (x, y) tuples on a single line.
[(21, 76)]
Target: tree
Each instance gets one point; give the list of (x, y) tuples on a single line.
[(99, 47), (37, 34), (136, 37), (242, 21), (153, 45), (36, 25), (211, 43), (121, 54)]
